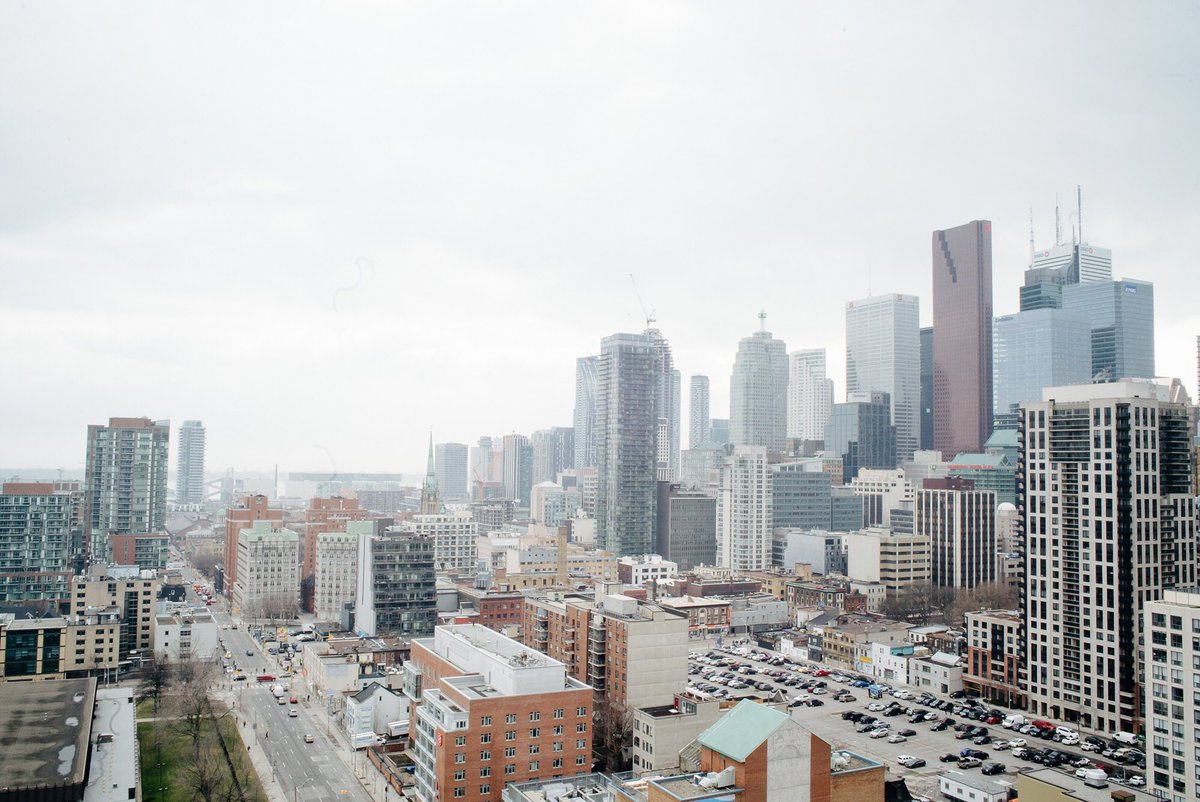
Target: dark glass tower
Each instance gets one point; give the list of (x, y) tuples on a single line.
[(962, 337)]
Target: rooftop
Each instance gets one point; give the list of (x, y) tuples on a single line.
[(687, 786), (978, 783), (46, 726), (1075, 787), (843, 761), (113, 773), (740, 731)]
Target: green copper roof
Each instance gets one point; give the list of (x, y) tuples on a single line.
[(742, 729)]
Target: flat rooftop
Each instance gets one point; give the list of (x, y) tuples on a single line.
[(843, 761), (687, 786), (1077, 788), (45, 728)]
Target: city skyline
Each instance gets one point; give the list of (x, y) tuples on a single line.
[(348, 243)]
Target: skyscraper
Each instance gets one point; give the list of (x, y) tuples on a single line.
[(1121, 314), (125, 489), (1063, 265), (758, 391), (883, 352), (627, 431), (860, 431), (553, 452), (481, 462), (699, 419), (927, 388), (744, 510), (1034, 350), (450, 462), (518, 467), (810, 395), (189, 469), (585, 411), (962, 337), (668, 405), (1109, 523), (960, 522)]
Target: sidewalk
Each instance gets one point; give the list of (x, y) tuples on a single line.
[(258, 756)]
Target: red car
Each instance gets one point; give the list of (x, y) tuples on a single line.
[(822, 673), (266, 677), (292, 700)]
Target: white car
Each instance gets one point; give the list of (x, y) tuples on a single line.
[(879, 733), (896, 738), (1000, 746), (1135, 780), (1070, 740), (1084, 772), (875, 707), (1016, 742)]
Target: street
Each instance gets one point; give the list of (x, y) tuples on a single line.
[(299, 770)]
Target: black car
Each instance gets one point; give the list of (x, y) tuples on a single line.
[(908, 733), (949, 757), (992, 767), (850, 715), (982, 739), (940, 726)]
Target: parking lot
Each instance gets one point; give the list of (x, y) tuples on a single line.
[(819, 696)]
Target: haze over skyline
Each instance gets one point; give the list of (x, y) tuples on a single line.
[(326, 233)]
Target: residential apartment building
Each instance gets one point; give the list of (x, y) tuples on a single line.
[(492, 712), (810, 395), (1109, 525), (59, 647), (699, 419), (661, 732), (960, 523), (632, 653), (336, 579), (627, 436), (126, 591), (189, 465), (324, 515), (646, 568), (268, 572), (39, 532), (450, 462), (744, 510), (125, 489), (993, 667), (190, 634), (148, 552), (396, 591), (586, 389), (1170, 655), (242, 516), (453, 535)]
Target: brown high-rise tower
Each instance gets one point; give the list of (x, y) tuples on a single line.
[(962, 338)]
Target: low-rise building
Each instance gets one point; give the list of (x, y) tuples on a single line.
[(375, 713), (660, 732), (340, 666), (59, 648), (647, 568), (128, 591), (895, 559), (492, 712), (844, 642), (705, 616), (969, 788), (187, 634), (939, 673)]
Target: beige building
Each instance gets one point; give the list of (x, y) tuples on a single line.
[(56, 648), (876, 554), (337, 569), (268, 574), (632, 653), (660, 732), (129, 592), (844, 644)]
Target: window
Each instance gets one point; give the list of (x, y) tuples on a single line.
[(460, 757), (486, 721), (535, 732), (534, 749), (579, 760), (556, 763), (460, 740), (460, 792), (510, 751), (581, 744), (534, 765), (510, 769), (581, 727), (535, 715), (510, 735), (511, 718), (486, 754), (484, 790), (461, 774), (557, 746), (486, 771), (558, 730), (485, 738), (581, 711), (558, 713)]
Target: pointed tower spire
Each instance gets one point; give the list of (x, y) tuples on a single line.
[(430, 500)]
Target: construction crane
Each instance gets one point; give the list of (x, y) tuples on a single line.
[(649, 315)]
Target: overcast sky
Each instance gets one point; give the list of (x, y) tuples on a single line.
[(326, 229)]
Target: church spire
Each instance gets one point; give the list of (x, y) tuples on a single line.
[(430, 500)]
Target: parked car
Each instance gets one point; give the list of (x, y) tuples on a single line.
[(992, 767), (896, 738), (908, 733), (969, 763), (911, 762), (879, 733), (949, 757)]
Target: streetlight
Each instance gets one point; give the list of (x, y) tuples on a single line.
[(296, 795)]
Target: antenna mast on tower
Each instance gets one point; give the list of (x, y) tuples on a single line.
[(1031, 248), (1079, 210), (1057, 223), (762, 320)]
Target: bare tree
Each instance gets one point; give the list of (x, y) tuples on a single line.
[(612, 734), (189, 696), (156, 676), (206, 564), (991, 596)]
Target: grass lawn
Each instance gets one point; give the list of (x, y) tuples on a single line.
[(170, 761), (145, 708)]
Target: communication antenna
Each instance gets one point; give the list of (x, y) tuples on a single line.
[(649, 315), (1057, 223), (762, 320), (1031, 248), (1079, 210)]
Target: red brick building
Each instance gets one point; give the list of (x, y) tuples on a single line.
[(243, 516)]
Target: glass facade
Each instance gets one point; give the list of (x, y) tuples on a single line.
[(962, 337), (1121, 315), (883, 352), (861, 432), (1038, 349)]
